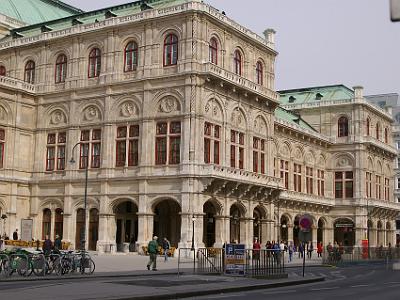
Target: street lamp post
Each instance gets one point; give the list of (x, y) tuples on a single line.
[(72, 161), (368, 228), (193, 219)]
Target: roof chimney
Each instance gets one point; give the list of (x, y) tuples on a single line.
[(358, 92), (270, 37)]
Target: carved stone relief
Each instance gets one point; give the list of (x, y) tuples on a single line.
[(3, 113), (57, 117), (297, 154), (343, 162), (91, 113), (237, 118), (169, 105), (127, 109), (284, 150), (213, 110), (259, 126)]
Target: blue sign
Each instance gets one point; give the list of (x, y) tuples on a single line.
[(235, 259)]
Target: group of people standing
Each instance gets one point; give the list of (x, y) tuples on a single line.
[(153, 250), (290, 248)]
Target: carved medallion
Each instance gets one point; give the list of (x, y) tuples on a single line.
[(57, 117), (169, 105), (127, 109), (91, 113)]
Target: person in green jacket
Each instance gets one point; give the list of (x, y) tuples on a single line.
[(152, 249)]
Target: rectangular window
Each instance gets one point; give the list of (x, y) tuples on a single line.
[(258, 155), (378, 187), (90, 148), (127, 146), (309, 180), (387, 189), (237, 149), (321, 182), (344, 184), (55, 156), (211, 143), (2, 143), (168, 143), (284, 173), (297, 177), (368, 185)]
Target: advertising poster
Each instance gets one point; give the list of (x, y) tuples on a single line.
[(235, 259)]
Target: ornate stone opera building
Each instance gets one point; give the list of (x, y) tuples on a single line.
[(172, 108)]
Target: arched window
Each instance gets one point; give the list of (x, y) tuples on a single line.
[(131, 57), (94, 63), (46, 223), (61, 68), (343, 127), (368, 125), (237, 61), (3, 71), (259, 73), (170, 50), (378, 129), (213, 51), (59, 222), (386, 135), (29, 74)]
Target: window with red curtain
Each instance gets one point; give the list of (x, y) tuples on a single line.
[(368, 185), (94, 63), (309, 180), (211, 143), (321, 182), (297, 177), (131, 57), (259, 155), (237, 149), (61, 68), (213, 51), (55, 159), (284, 173), (344, 184), (29, 74), (127, 146), (168, 143), (170, 50), (259, 73), (237, 62), (90, 148), (46, 223)]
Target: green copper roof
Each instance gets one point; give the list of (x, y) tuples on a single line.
[(285, 115), (36, 11), (96, 15), (322, 93)]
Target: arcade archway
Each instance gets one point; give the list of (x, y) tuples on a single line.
[(210, 212), (127, 225), (344, 232), (167, 221)]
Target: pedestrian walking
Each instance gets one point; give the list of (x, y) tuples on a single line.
[(256, 249), (310, 250), (47, 245), (57, 243), (152, 249), (15, 235), (319, 249), (290, 250), (166, 246), (301, 250)]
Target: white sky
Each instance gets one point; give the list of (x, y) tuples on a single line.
[(320, 42)]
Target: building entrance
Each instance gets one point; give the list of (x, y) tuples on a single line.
[(127, 226)]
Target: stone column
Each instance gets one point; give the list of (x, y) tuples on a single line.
[(198, 231), (221, 230), (52, 224), (359, 235), (290, 233), (186, 230), (329, 235), (246, 232), (145, 232)]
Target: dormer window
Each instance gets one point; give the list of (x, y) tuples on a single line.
[(292, 99), (318, 96)]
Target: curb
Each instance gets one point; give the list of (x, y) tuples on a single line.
[(78, 277), (224, 290)]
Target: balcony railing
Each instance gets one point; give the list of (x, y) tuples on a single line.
[(307, 198), (317, 103), (241, 175), (240, 81), (17, 84)]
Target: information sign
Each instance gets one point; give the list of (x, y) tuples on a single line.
[(235, 259)]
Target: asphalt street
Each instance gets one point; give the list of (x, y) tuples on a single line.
[(353, 282)]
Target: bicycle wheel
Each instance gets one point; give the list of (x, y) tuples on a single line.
[(5, 268), (22, 266), (89, 266), (39, 266)]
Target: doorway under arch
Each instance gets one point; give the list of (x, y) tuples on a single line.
[(258, 216), (127, 225), (167, 221), (284, 230), (80, 225), (210, 212), (93, 228), (236, 214), (46, 223), (320, 231), (59, 223), (344, 232)]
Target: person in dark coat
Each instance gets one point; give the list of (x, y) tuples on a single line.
[(15, 235), (57, 243), (47, 245)]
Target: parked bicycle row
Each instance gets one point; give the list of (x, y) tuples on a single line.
[(25, 263)]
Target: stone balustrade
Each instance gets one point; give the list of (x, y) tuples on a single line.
[(17, 84)]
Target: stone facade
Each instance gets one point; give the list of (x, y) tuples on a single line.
[(170, 145)]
